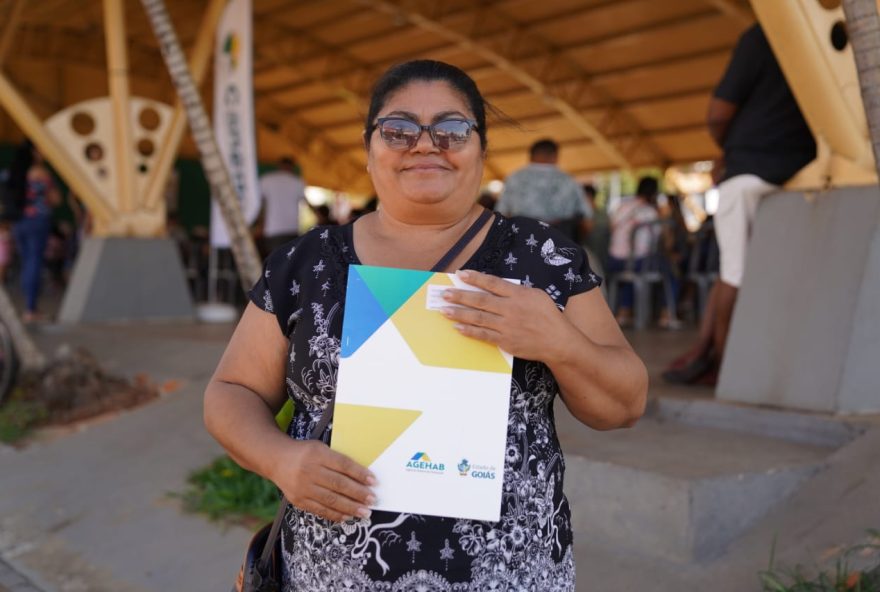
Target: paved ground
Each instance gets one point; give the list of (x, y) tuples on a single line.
[(13, 581), (92, 510)]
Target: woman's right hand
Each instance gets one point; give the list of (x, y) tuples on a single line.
[(324, 482)]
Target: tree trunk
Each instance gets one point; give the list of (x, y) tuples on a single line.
[(243, 249), (29, 355), (863, 27)]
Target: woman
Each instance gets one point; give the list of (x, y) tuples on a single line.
[(32, 186), (640, 209), (559, 329)]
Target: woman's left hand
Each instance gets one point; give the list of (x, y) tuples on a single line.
[(522, 321)]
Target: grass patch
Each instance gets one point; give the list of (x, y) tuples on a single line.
[(840, 578), (225, 491), (18, 416)]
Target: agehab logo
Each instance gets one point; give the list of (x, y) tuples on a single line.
[(422, 463)]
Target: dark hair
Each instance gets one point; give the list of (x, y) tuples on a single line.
[(589, 189), (287, 161), (648, 188), (545, 147), (403, 74), (18, 170)]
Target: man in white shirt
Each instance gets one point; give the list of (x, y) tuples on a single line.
[(283, 190)]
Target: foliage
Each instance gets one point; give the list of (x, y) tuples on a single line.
[(223, 490), (842, 578), (18, 416)]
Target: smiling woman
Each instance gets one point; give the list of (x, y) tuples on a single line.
[(425, 136)]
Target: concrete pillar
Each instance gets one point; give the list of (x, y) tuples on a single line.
[(119, 279), (806, 330)]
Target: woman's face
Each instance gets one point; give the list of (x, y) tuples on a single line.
[(425, 178)]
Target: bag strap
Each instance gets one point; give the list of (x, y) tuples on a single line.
[(316, 434), (466, 238), (322, 424)]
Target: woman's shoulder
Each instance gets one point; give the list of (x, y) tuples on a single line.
[(542, 257), (313, 244), (528, 233)]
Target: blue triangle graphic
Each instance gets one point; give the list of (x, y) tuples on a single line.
[(363, 314), (393, 287)]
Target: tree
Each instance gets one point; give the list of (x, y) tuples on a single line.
[(32, 359), (243, 249), (863, 27)]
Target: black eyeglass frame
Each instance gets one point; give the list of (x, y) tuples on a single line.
[(472, 125)]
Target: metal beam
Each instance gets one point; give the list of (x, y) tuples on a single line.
[(33, 128), (198, 64), (9, 28), (563, 98)]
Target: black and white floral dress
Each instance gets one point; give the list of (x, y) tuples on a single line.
[(530, 548)]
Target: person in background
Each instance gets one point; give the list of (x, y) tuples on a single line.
[(6, 250), (543, 191), (676, 243), (597, 238), (323, 216), (283, 191), (639, 209), (425, 136), (33, 187), (371, 205), (755, 119)]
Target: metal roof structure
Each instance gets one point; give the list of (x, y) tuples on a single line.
[(618, 83)]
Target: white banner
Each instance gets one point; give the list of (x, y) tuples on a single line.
[(234, 113)]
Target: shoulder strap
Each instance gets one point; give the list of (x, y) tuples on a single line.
[(322, 424), (317, 432), (466, 238)]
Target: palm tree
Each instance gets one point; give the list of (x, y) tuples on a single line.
[(30, 356), (243, 249), (863, 27)]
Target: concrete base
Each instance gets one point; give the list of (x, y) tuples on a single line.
[(690, 478), (806, 330), (123, 279)]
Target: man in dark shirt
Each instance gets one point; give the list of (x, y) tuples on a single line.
[(755, 119)]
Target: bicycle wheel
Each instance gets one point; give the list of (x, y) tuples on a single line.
[(8, 362)]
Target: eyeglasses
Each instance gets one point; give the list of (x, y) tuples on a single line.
[(403, 134)]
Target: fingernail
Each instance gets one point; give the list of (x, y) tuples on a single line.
[(447, 294), (447, 311), (371, 480), (371, 500), (364, 512), (458, 327), (463, 274)]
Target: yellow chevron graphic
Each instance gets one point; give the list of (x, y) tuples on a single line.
[(364, 432)]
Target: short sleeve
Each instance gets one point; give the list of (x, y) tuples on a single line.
[(277, 290), (581, 269), (546, 259), (744, 68)]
